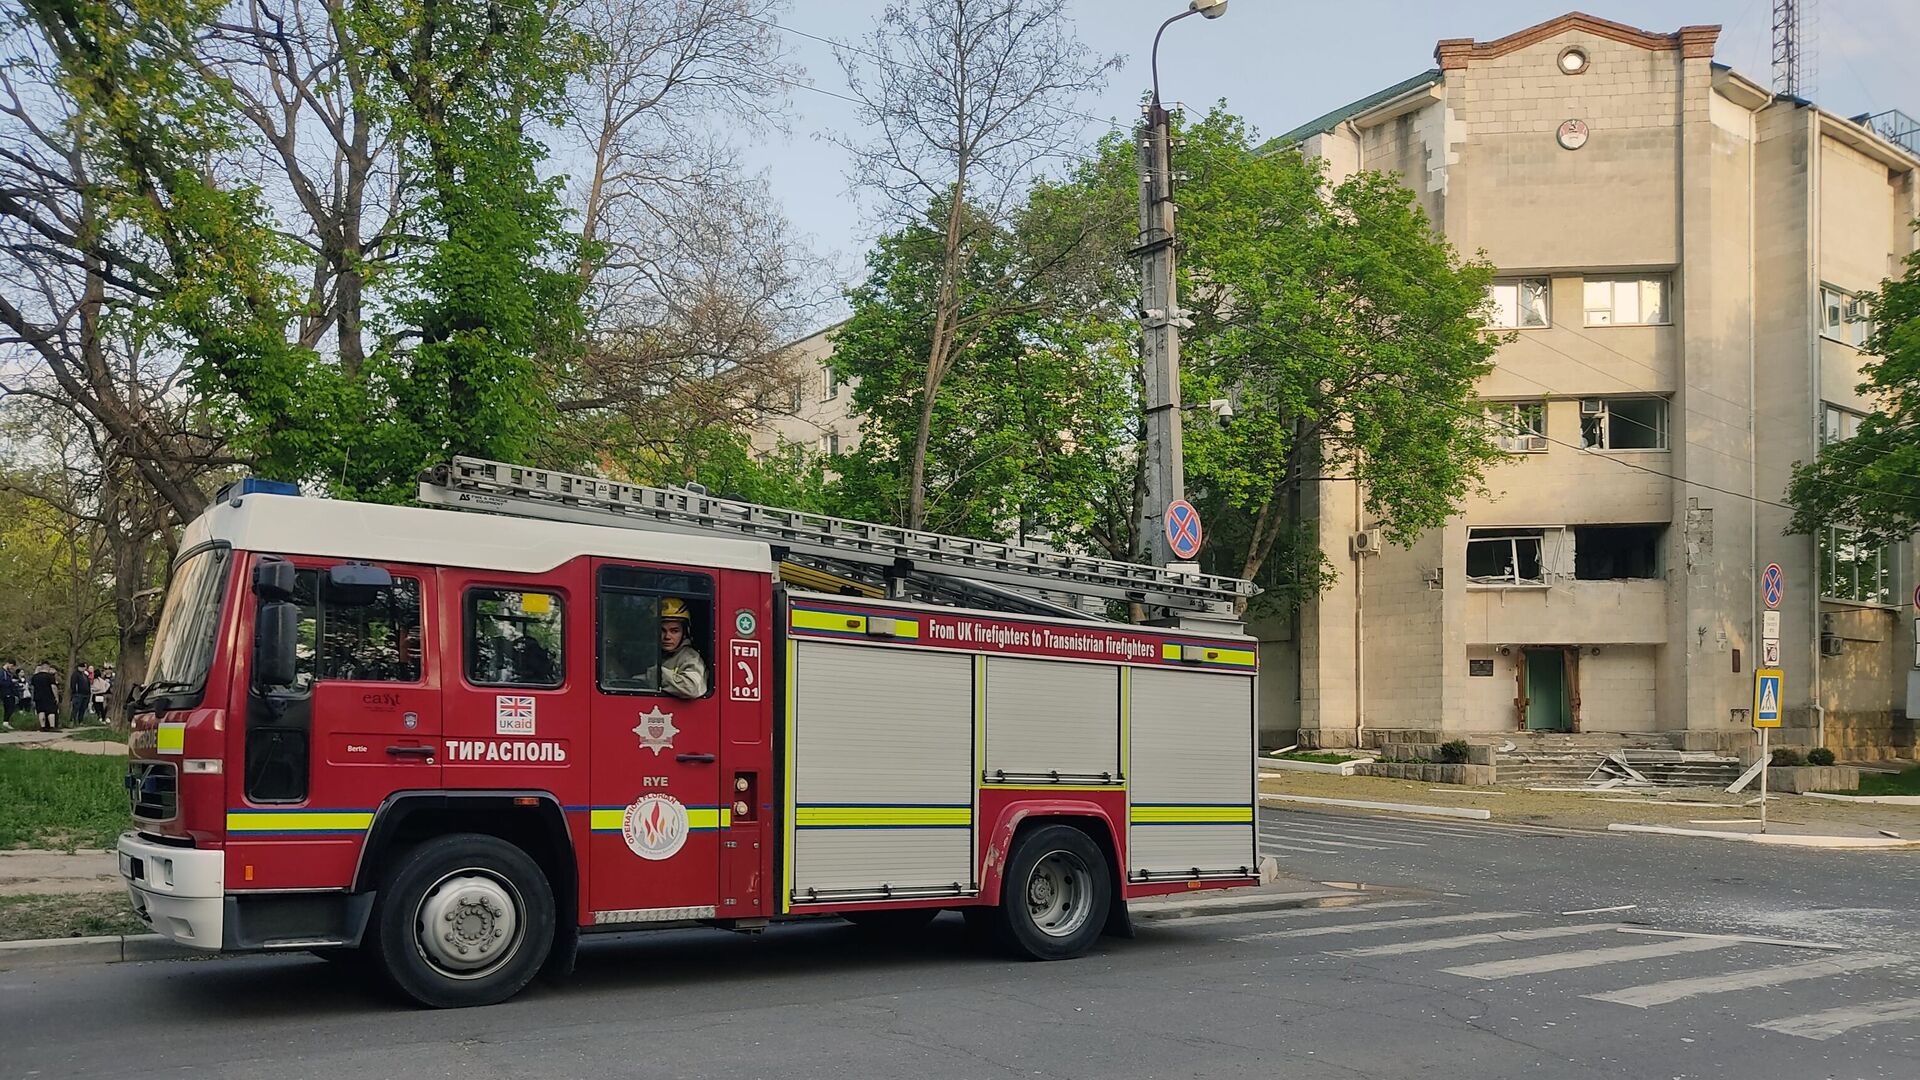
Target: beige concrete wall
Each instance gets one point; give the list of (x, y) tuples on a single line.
[(815, 415), (1618, 688), (1567, 612), (1405, 645), (1610, 204), (1486, 703)]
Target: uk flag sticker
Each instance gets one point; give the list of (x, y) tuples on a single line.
[(512, 715)]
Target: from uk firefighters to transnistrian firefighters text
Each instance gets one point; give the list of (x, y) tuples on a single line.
[(417, 735)]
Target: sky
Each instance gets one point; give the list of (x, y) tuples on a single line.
[(1279, 63)]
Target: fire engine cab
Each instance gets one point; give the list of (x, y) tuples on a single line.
[(441, 742)]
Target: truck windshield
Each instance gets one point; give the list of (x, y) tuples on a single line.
[(190, 622)]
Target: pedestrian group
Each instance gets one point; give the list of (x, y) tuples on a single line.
[(86, 688)]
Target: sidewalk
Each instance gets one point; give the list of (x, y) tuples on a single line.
[(1694, 809), (56, 873), (62, 740)]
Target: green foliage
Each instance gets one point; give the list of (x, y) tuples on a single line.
[(1031, 422), (1454, 752), (1347, 334), (56, 799), (1785, 757), (1906, 782), (1872, 480), (1820, 756)]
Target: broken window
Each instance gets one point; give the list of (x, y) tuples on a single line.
[(1506, 556), (1626, 301), (1623, 423), (1518, 304), (1614, 552), (1521, 425)]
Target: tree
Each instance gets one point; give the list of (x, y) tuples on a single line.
[(1032, 420), (1871, 481), (968, 98)]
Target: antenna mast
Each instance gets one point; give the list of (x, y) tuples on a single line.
[(1793, 59)]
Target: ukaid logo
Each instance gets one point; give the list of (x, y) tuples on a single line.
[(504, 751), (512, 715)]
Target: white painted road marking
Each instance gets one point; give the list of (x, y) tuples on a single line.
[(1661, 993), (1354, 836), (1831, 1022), (1468, 940), (1216, 918), (1568, 961), (1386, 924)]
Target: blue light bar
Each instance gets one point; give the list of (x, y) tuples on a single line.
[(255, 485)]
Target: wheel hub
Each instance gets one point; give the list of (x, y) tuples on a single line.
[(468, 924), (1059, 892)]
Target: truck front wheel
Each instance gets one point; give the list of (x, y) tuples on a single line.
[(1055, 896), (464, 920)]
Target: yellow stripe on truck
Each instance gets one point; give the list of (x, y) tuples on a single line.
[(698, 817), (244, 821), (818, 817), (1192, 815)]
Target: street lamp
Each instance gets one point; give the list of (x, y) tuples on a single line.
[(1160, 318)]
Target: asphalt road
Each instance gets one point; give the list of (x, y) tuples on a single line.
[(1479, 975)]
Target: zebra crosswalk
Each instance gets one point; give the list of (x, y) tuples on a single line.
[(1496, 949)]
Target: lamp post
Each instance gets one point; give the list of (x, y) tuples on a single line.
[(1160, 316)]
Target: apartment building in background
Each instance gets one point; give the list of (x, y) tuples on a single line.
[(1679, 251), (819, 419)]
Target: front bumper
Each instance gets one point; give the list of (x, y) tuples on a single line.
[(179, 892)]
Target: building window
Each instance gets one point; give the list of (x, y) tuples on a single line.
[(834, 383), (833, 443), (375, 641), (1627, 301), (1520, 426), (1852, 570), (1616, 552), (1843, 317), (515, 638), (1839, 425), (1518, 304), (1506, 556), (1623, 423), (799, 395)]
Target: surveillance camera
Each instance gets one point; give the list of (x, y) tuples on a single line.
[(1221, 407)]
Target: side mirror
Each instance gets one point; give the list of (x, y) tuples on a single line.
[(273, 578), (274, 642), (355, 584)]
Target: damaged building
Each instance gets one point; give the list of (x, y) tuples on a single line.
[(1680, 255)]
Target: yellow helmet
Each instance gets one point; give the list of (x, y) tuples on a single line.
[(675, 608)]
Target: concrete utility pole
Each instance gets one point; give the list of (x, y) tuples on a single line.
[(1160, 315)]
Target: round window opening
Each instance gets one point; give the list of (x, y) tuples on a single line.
[(1573, 60)]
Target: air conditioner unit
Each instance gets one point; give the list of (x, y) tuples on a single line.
[(1857, 310), (1832, 644), (1589, 406), (1366, 542)]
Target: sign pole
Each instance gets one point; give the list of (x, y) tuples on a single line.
[(1766, 761)]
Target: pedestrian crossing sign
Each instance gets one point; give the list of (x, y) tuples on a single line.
[(1766, 697)]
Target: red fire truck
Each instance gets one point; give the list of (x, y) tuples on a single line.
[(438, 741)]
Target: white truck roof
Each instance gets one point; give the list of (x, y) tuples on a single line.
[(336, 528)]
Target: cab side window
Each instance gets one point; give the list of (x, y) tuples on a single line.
[(629, 640), (515, 638), (373, 642)]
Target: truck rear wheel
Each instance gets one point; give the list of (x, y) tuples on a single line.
[(1055, 896), (464, 920)]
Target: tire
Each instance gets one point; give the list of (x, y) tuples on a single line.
[(898, 925), (1055, 896), (486, 895)]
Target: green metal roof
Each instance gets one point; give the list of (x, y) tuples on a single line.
[(1323, 124)]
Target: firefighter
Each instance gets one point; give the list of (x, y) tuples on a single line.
[(682, 671)]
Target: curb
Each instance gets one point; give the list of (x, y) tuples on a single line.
[(108, 949), (1239, 900), (1777, 839), (1879, 800), (1398, 808)]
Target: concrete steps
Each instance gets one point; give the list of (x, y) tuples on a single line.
[(1560, 758)]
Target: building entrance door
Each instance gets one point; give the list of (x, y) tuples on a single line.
[(1546, 690)]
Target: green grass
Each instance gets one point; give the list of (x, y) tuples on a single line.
[(1317, 758), (51, 800), (23, 918), (102, 733), (1904, 783)]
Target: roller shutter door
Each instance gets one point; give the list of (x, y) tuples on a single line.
[(1190, 787), (883, 772), (1047, 717)]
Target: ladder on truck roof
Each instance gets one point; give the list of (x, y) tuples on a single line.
[(954, 568)]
